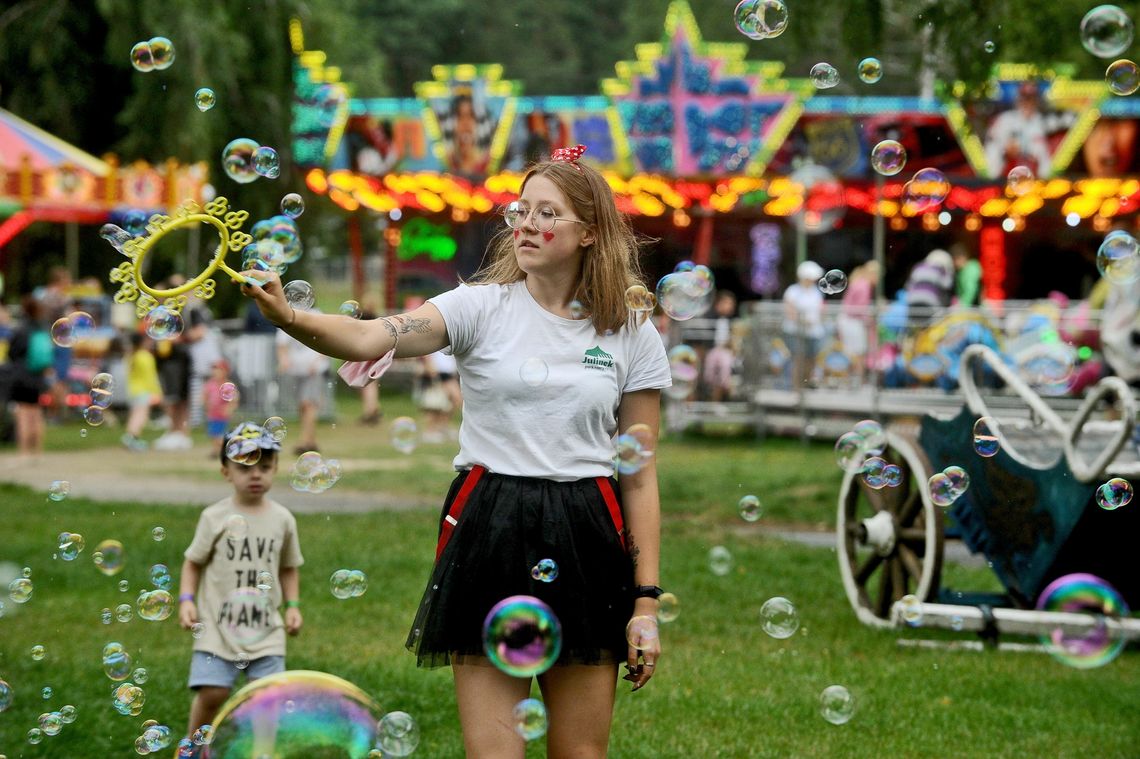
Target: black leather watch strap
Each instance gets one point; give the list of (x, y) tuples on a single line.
[(647, 591)]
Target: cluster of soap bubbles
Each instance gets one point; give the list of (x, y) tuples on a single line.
[(50, 723), (162, 323), (948, 485), (128, 699), (404, 434), (58, 490), (687, 291), (299, 294), (188, 748), (866, 439), (833, 282), (108, 557), (530, 719), (68, 330), (633, 449), (1106, 31), (836, 704), (1113, 494), (244, 160), (1083, 648), (1118, 258), (313, 473), (761, 19), (70, 545), (888, 157), (20, 589), (348, 583), (779, 618), (824, 76), (925, 191), (878, 473), (155, 737), (684, 369), (546, 570), (156, 54), (987, 436), (276, 244), (522, 636)]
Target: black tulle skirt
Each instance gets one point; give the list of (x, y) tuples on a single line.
[(505, 526)]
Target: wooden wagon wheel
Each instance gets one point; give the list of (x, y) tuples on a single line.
[(889, 541)]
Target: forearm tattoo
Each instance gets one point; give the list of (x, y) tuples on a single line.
[(391, 328), (634, 551)]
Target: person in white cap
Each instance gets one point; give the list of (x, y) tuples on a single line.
[(803, 320)]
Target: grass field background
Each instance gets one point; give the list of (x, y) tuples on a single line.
[(724, 687)]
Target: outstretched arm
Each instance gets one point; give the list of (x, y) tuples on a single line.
[(419, 332)]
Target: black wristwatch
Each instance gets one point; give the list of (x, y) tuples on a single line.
[(647, 591)]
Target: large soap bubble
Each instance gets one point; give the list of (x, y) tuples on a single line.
[(1081, 592), (521, 636), (237, 160), (1106, 31)]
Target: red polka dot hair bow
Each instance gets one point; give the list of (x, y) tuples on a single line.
[(569, 155)]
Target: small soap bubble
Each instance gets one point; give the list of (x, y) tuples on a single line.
[(158, 534), (397, 734), (339, 584), (38, 653), (404, 434), (534, 371), (139, 675), (128, 698), (530, 719), (116, 235), (870, 70), (71, 329), (70, 545), (546, 570), (124, 586), (276, 428), (160, 576), (67, 714), (264, 581), (761, 19), (205, 99), (779, 618), (911, 609), (956, 623), (720, 560), (989, 46), (20, 590), (641, 631), (124, 612), (237, 160), (299, 294), (161, 323), (142, 58), (155, 605), (892, 475), (228, 392), (35, 735), (58, 490), (47, 692), (986, 440), (161, 53), (577, 310), (684, 370), (824, 76), (630, 455), (1122, 77), (51, 723), (874, 472), (266, 162), (242, 660), (1118, 258), (105, 616), (873, 438), (925, 191), (833, 282), (93, 415), (1106, 31), (850, 452), (750, 509), (1019, 180), (941, 489), (888, 157), (1113, 494), (203, 735), (350, 308), (638, 299), (82, 432), (959, 480), (236, 527), (197, 630), (668, 607), (108, 557), (836, 705), (292, 205)]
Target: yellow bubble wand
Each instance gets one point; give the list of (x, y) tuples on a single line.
[(134, 288)]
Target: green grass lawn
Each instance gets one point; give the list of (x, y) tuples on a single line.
[(723, 689)]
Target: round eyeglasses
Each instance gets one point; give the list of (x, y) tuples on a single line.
[(543, 218)]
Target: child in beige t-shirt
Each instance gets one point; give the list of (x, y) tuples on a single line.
[(240, 567)]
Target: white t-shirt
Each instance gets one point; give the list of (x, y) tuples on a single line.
[(808, 304), (540, 392)]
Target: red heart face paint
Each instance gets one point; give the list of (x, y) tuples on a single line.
[(548, 236)]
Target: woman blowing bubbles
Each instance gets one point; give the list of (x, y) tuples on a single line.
[(536, 454)]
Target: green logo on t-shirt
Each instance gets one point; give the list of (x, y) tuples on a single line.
[(596, 358)]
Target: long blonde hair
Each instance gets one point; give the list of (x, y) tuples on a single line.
[(609, 265)]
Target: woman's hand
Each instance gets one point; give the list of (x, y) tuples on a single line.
[(644, 643), (269, 297)]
